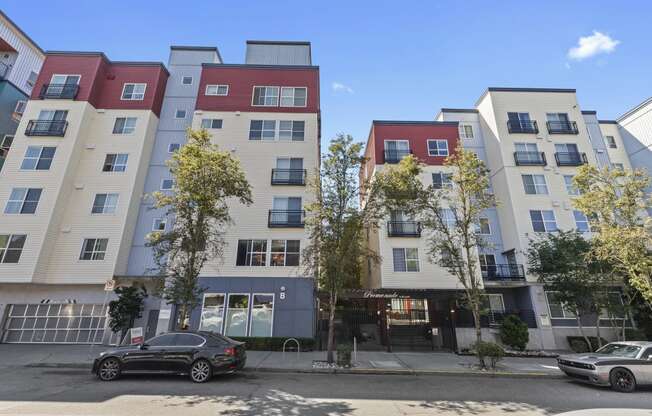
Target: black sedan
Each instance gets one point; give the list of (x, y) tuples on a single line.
[(197, 354)]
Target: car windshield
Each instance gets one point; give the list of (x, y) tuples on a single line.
[(620, 350)]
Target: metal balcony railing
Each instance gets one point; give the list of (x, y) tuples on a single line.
[(562, 127), (530, 158), (46, 128), (464, 318), (570, 158), (59, 91), (522, 126), (395, 156), (288, 176), (404, 229), (286, 218), (498, 272)]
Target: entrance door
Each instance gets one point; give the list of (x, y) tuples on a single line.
[(152, 322)]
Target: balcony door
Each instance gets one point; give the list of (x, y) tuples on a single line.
[(559, 119), (289, 169), (521, 120), (287, 210), (60, 83), (50, 120), (401, 223)]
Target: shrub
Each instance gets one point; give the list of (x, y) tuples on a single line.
[(275, 343), (578, 344), (344, 355), (488, 350), (635, 334), (513, 332)]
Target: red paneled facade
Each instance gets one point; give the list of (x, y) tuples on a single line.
[(417, 133), (242, 79), (102, 81)]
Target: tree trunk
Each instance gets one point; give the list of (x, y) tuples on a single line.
[(478, 332), (183, 314), (597, 330), (331, 329), (581, 329)]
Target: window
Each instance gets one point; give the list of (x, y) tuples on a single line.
[(437, 147), (165, 340), (566, 148), (167, 184), (124, 125), (262, 315), (465, 131), (251, 253), (291, 130), (561, 118), (23, 201), (186, 80), (448, 217), (104, 203), (527, 152), (159, 224), (488, 264), (212, 313), (11, 247), (611, 141), (135, 92), (52, 115), (521, 120), (556, 308), (293, 96), (484, 227), (494, 302), (188, 340), (618, 166), (31, 80), (262, 130), (406, 259), (442, 180), (173, 147), (217, 90), (38, 158), (115, 162), (570, 187), (286, 211), (285, 253), (543, 221), (5, 145), (59, 82), (265, 96), (581, 222), (211, 123), (236, 315), (94, 249), (180, 114), (535, 184), (20, 107)]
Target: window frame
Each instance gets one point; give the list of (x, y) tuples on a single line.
[(570, 188), (124, 87), (106, 206), (39, 158), (461, 130), (250, 253), (20, 103), (262, 130), (29, 82), (115, 163), (543, 221), (170, 145), (124, 131), (161, 188), (251, 309), (285, 253), (226, 312), (93, 252), (437, 147), (224, 307), (176, 114), (212, 123), (184, 77), (584, 221), (405, 260), (611, 144), (566, 314), (253, 95), (445, 184), (537, 186), (162, 220), (294, 89), (6, 248), (292, 131), (217, 90), (23, 201), (480, 220)]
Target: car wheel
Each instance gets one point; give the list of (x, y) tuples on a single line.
[(622, 380), (201, 371), (109, 369)]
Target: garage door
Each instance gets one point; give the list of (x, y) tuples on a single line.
[(70, 323)]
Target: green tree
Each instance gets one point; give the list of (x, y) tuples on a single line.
[(514, 332), (336, 223), (206, 181), (124, 310), (562, 263), (617, 205), (450, 216)]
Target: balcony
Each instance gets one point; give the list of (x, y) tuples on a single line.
[(285, 218), (570, 159), (562, 127), (395, 156), (522, 126), (46, 128), (59, 91), (403, 229), (502, 272), (530, 158), (289, 177)]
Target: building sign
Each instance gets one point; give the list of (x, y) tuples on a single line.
[(137, 335), (375, 295)]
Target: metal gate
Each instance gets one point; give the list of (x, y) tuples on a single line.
[(68, 323)]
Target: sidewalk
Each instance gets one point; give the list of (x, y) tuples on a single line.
[(366, 362)]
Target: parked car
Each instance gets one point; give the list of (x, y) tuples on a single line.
[(197, 354), (621, 365)]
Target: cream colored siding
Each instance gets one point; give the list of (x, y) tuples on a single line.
[(619, 154), (258, 158)]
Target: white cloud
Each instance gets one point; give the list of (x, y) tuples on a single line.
[(338, 86), (595, 44)]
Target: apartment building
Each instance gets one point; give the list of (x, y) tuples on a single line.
[(532, 140), (70, 191), (20, 62)]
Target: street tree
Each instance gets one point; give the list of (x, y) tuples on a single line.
[(207, 181), (336, 222), (617, 205), (449, 216), (124, 310)]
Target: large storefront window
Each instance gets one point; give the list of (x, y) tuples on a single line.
[(212, 313), (409, 311), (262, 314), (236, 315)]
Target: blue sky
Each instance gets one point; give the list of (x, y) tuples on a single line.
[(393, 59)]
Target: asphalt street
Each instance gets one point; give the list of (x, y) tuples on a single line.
[(50, 391)]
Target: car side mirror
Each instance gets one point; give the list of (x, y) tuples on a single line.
[(143, 346)]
